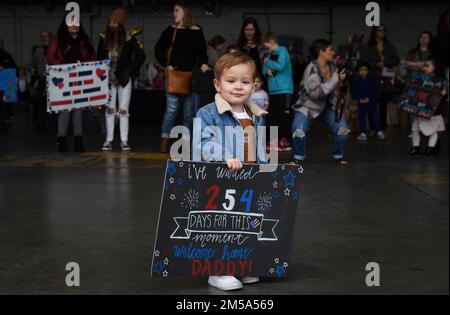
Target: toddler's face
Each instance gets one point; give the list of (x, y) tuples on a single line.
[(363, 72), (258, 84), (236, 84)]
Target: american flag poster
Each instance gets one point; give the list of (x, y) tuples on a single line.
[(79, 85)]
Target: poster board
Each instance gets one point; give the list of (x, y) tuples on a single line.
[(216, 222)]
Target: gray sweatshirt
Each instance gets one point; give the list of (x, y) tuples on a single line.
[(315, 93)]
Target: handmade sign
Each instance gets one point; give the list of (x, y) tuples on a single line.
[(78, 85), (422, 94), (216, 222), (8, 85)]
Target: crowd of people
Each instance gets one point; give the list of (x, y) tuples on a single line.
[(293, 90)]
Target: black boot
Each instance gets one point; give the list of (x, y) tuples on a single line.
[(414, 151), (79, 147), (430, 152), (62, 144)]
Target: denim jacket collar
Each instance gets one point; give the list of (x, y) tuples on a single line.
[(223, 106)]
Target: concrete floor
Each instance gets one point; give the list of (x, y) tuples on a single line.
[(100, 210)]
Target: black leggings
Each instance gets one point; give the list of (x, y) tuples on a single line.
[(280, 114)]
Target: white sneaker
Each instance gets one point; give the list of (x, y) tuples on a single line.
[(107, 146), (380, 135), (362, 137), (124, 146), (249, 280), (225, 283)]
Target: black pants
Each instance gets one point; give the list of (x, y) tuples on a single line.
[(40, 104), (280, 114)]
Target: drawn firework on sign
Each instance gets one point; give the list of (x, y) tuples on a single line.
[(191, 199), (264, 202)]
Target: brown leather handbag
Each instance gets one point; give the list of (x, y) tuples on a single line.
[(178, 82)]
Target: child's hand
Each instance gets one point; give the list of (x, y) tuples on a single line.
[(444, 92), (270, 73), (234, 164)]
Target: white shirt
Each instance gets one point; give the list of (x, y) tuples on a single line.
[(260, 98)]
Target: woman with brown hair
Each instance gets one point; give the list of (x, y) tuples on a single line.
[(381, 56), (250, 41), (181, 47), (126, 59)]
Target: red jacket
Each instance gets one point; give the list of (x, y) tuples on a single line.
[(54, 56)]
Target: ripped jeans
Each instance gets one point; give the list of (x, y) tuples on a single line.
[(300, 127), (121, 95)]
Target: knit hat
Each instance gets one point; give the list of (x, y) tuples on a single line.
[(119, 15)]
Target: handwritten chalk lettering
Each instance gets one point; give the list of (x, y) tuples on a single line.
[(191, 252), (211, 239), (200, 221), (239, 253), (197, 172), (221, 221), (243, 174), (218, 267)]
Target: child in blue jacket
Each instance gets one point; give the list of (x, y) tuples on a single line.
[(364, 91), (278, 71)]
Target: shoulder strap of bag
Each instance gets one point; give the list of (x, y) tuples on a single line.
[(169, 54)]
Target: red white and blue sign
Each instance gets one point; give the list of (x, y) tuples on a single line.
[(79, 85)]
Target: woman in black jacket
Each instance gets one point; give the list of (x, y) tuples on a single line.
[(188, 52), (126, 59), (381, 56), (250, 41)]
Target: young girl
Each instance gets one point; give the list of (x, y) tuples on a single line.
[(126, 59), (259, 96), (234, 83), (430, 127), (70, 45)]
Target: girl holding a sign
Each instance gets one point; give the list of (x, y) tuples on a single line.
[(429, 127), (70, 45), (126, 59)]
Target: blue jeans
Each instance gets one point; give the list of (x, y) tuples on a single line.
[(300, 128), (173, 104), (374, 118)]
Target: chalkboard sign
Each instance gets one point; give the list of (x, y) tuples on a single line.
[(422, 94), (216, 222)]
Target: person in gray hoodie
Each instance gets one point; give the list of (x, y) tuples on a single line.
[(317, 100)]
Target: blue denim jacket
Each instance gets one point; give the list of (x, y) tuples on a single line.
[(218, 135)]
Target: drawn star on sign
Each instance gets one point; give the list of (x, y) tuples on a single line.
[(287, 192), (181, 164), (277, 260), (271, 270), (300, 170), (171, 180), (285, 265), (165, 273), (172, 197), (275, 185), (156, 253), (166, 261), (289, 179)]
